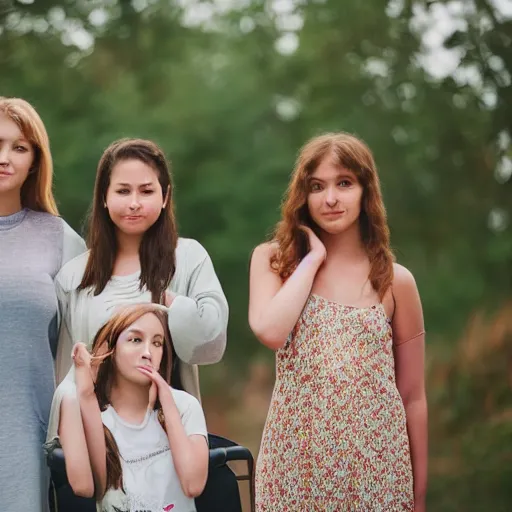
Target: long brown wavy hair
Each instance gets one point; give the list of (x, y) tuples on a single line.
[(157, 250), (292, 245), (36, 192), (104, 348)]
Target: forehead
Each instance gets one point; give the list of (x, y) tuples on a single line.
[(148, 324), (328, 168), (9, 129), (133, 171)]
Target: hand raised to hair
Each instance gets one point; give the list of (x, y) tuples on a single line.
[(316, 248), (83, 373)]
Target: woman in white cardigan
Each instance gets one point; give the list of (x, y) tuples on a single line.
[(136, 256)]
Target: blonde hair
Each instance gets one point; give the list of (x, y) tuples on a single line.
[(36, 192)]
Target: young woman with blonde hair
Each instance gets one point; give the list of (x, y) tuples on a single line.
[(347, 425), (34, 244)]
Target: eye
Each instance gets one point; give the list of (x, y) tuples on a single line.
[(136, 339), (123, 191), (315, 187), (345, 183), (158, 343), (20, 149), (148, 192)]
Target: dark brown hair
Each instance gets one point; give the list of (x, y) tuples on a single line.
[(157, 250), (104, 346), (351, 153)]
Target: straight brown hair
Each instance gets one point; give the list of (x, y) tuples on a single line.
[(157, 250)]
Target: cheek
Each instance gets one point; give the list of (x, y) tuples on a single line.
[(356, 199), (314, 202), (156, 357), (123, 358), (115, 204), (23, 162), (153, 207)]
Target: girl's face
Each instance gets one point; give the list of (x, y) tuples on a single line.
[(140, 345), (334, 197), (16, 156), (134, 197)]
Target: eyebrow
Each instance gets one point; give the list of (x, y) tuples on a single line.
[(21, 139), (149, 184), (342, 174), (141, 333)]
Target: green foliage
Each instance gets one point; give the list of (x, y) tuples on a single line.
[(231, 112)]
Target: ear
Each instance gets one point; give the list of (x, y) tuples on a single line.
[(166, 197)]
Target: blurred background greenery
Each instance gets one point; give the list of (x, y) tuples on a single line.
[(231, 89)]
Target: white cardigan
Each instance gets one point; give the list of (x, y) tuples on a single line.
[(198, 316)]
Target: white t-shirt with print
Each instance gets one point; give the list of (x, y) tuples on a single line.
[(149, 478)]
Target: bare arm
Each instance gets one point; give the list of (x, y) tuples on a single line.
[(95, 438), (409, 339), (274, 307), (81, 432), (74, 445), (189, 452)]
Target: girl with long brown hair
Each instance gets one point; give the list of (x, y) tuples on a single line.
[(135, 256), (146, 442), (34, 244), (347, 425)]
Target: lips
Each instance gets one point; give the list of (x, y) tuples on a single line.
[(6, 173), (333, 214), (133, 217)]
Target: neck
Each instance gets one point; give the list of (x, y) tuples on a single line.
[(347, 246), (128, 245), (130, 400), (10, 203)]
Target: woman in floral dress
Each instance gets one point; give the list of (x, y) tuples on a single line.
[(347, 425)]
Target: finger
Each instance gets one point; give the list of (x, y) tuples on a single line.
[(146, 372), (74, 351), (153, 393), (97, 359)]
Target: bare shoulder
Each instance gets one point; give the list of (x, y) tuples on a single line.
[(404, 284), (265, 251), (402, 276)]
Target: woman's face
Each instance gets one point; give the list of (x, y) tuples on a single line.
[(16, 156), (334, 197), (140, 345), (134, 197)]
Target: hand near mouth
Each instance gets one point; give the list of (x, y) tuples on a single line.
[(158, 384)]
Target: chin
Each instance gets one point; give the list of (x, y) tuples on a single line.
[(333, 228), (133, 230)]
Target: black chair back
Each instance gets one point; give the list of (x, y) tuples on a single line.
[(221, 493)]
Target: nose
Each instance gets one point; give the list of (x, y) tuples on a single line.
[(134, 203), (330, 197), (146, 352), (4, 154)]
